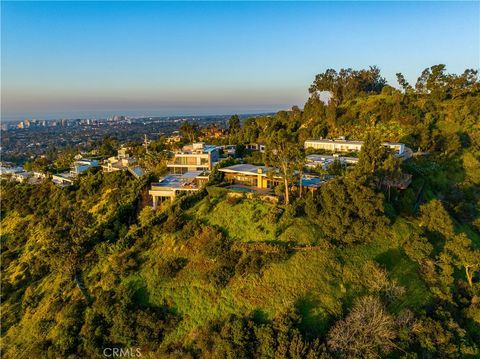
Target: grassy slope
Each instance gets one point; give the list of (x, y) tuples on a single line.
[(321, 283), (318, 282)]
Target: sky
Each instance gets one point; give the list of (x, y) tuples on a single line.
[(95, 59)]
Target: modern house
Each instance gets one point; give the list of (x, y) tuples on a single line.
[(84, 164), (195, 157), (212, 131), (39, 175), (174, 138), (122, 162), (21, 177), (251, 175), (262, 177), (325, 161), (229, 150), (64, 179), (348, 146), (260, 147), (168, 187), (7, 169)]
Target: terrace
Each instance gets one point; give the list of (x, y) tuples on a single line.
[(169, 186)]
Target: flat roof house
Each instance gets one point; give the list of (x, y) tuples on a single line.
[(326, 160), (84, 164), (195, 157), (250, 175), (229, 150), (64, 179), (122, 162), (174, 138), (168, 187), (348, 146), (21, 176), (260, 146), (262, 177)]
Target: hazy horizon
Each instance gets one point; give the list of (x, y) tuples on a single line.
[(130, 114), (85, 59)]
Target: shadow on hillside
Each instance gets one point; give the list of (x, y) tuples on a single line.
[(314, 322)]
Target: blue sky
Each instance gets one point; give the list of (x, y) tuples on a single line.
[(161, 58)]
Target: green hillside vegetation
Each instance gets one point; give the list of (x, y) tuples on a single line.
[(355, 269)]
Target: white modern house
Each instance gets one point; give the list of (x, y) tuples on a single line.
[(195, 157), (84, 164), (64, 179), (325, 161), (21, 177), (260, 147), (122, 162), (169, 186), (348, 146)]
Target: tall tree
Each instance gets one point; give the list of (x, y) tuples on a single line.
[(371, 159), (283, 153), (348, 83), (234, 124), (462, 255), (189, 130), (407, 88)]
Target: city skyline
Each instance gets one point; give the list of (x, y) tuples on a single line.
[(162, 59)]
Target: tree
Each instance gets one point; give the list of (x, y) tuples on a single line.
[(407, 88), (462, 254), (108, 146), (366, 332), (216, 176), (283, 153), (300, 162), (436, 219), (435, 82), (155, 162), (189, 130), (370, 162), (240, 151), (337, 168), (348, 83), (349, 211), (391, 172), (27, 166), (234, 124)]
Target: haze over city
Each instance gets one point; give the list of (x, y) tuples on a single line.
[(66, 59)]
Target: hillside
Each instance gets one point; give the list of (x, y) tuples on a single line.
[(217, 257), (355, 268)]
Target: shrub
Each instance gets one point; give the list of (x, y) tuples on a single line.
[(274, 214), (170, 268), (146, 216), (221, 275), (233, 200), (251, 262), (367, 331), (214, 191), (174, 222)]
